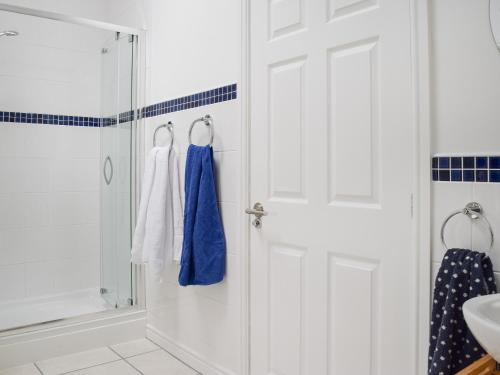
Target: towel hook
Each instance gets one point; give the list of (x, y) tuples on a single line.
[(208, 121), (170, 127), (475, 212)]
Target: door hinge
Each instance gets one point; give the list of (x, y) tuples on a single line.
[(411, 205)]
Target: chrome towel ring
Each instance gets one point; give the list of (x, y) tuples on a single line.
[(208, 121), (475, 212), (170, 127)]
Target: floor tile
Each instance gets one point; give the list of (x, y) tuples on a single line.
[(113, 368), (131, 348), (78, 361), (160, 363), (21, 370)]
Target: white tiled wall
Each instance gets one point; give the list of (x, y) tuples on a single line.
[(204, 321), (51, 67), (465, 95), (119, 12), (49, 204), (49, 190)]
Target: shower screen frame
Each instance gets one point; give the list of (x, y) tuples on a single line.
[(138, 302)]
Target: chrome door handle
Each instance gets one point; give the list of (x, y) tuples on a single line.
[(258, 211)]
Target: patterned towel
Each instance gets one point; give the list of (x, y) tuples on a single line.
[(464, 274)]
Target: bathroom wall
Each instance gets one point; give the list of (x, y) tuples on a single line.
[(195, 46), (120, 12), (465, 88), (49, 195)]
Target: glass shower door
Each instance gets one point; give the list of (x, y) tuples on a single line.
[(116, 166)]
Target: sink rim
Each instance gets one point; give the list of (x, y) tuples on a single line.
[(475, 308), (485, 329)]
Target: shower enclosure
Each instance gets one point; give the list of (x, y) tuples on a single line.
[(67, 138)]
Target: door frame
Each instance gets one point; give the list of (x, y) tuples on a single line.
[(420, 200)]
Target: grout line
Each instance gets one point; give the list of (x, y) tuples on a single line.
[(114, 351), (38, 368), (181, 361), (86, 368), (166, 351), (139, 354), (131, 365), (135, 355)]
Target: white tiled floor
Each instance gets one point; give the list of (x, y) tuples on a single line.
[(129, 358)]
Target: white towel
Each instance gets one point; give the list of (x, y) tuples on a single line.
[(177, 211), (147, 185), (160, 213)]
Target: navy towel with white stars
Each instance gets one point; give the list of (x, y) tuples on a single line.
[(464, 274)]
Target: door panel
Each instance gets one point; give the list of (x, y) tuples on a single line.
[(352, 282), (353, 123), (116, 177), (286, 129), (331, 159), (286, 305)]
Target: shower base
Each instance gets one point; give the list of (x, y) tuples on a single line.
[(31, 311)]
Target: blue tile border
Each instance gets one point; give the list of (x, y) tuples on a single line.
[(48, 119), (204, 98), (220, 94), (466, 169)]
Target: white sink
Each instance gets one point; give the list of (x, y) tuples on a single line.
[(482, 315)]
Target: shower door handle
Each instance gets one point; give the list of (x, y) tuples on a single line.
[(104, 170)]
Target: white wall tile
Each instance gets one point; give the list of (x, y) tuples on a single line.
[(488, 195), (12, 282), (464, 120), (13, 246), (228, 183), (75, 174), (447, 198), (40, 279), (74, 208), (174, 310), (230, 220), (58, 62), (49, 205)]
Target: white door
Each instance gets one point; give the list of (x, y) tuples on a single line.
[(331, 162)]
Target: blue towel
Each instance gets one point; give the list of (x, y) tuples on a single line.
[(464, 274), (203, 260)]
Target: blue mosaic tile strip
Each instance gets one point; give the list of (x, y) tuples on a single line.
[(217, 95), (48, 119), (220, 94), (466, 168), (108, 121), (126, 116)]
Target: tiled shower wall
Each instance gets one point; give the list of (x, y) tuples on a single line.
[(465, 92), (49, 205), (49, 190)]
